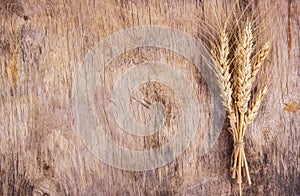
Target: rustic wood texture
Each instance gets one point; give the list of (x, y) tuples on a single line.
[(42, 43)]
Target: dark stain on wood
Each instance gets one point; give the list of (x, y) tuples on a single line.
[(13, 7)]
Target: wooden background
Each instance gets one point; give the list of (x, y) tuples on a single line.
[(42, 43)]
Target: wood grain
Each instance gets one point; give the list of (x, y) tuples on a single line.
[(42, 43)]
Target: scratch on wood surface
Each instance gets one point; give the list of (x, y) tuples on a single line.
[(289, 39)]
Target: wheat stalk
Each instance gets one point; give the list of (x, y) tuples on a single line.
[(235, 86)]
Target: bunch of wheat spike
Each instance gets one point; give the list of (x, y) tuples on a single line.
[(236, 65)]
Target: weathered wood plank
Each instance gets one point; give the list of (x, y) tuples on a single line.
[(43, 43)]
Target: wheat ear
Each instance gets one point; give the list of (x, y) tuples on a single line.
[(261, 56), (255, 106), (222, 68), (244, 69)]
